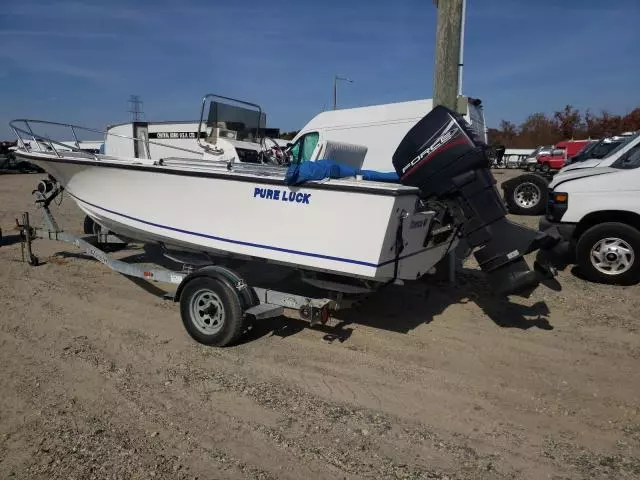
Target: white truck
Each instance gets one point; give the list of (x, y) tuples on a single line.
[(597, 212), (527, 193), (378, 128), (624, 143)]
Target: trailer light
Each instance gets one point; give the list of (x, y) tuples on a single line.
[(148, 274), (324, 315), (560, 197)]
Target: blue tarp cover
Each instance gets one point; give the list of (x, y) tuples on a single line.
[(299, 173)]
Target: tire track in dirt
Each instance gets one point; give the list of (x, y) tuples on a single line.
[(437, 391)]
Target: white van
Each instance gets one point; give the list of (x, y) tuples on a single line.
[(627, 144), (597, 212), (378, 128)]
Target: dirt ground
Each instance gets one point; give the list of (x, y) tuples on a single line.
[(98, 379)]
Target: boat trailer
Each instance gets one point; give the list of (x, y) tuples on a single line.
[(216, 303)]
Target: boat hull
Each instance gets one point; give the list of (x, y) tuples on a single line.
[(343, 230)]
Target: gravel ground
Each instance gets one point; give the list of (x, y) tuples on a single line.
[(98, 380)]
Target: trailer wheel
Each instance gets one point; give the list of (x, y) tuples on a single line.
[(531, 167), (545, 168), (211, 312), (608, 253), (526, 194)]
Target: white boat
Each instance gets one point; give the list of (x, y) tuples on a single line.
[(251, 212), (346, 226)]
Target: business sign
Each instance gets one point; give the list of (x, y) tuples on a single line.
[(176, 135)]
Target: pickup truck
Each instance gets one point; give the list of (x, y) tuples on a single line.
[(597, 213), (554, 160), (531, 162)]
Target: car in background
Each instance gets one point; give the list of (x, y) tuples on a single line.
[(9, 163), (573, 147), (527, 194), (531, 162), (560, 154), (599, 149), (628, 142), (555, 160)]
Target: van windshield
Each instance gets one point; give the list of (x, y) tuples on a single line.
[(303, 149), (603, 149), (629, 160), (623, 144)]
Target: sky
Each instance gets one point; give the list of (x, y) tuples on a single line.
[(78, 61)]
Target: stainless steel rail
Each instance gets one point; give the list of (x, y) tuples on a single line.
[(25, 130)]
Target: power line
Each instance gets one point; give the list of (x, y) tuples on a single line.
[(135, 108)]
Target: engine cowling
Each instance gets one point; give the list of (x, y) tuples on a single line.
[(443, 158)]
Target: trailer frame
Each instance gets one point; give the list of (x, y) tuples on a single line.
[(256, 302)]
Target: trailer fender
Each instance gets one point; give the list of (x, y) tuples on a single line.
[(248, 297)]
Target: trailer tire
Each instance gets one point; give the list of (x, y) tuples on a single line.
[(526, 194), (545, 168), (531, 167), (619, 262), (211, 311)]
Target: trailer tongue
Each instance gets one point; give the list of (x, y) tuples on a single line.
[(451, 168)]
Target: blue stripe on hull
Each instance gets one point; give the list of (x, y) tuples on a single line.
[(248, 244)]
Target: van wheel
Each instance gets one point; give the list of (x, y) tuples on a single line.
[(526, 194), (608, 253)]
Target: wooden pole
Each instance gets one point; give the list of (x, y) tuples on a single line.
[(445, 84), (446, 74)]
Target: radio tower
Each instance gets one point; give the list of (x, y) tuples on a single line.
[(136, 108)]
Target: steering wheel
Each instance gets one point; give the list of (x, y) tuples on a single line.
[(280, 156)]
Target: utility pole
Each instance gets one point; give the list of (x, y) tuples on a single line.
[(447, 82), (335, 88), (461, 63), (448, 60), (136, 108)]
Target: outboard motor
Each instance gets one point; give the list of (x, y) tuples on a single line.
[(499, 151), (443, 158)]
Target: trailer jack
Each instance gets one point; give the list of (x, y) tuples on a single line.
[(27, 235)]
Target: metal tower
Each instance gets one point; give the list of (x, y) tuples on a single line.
[(135, 108)]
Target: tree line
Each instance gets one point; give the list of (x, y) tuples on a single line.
[(289, 135), (566, 124)]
